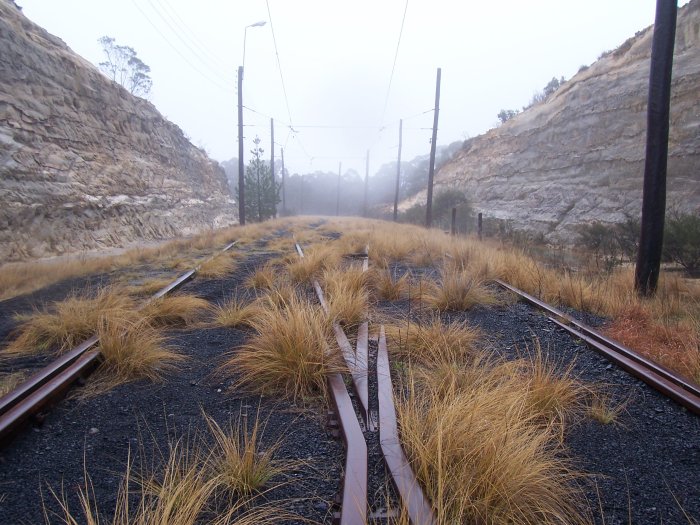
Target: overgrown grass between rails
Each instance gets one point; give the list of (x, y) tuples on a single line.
[(482, 449), (432, 342), (71, 322), (234, 313), (181, 490), (387, 287), (10, 381), (176, 310), (347, 295), (264, 278), (316, 259), (457, 290), (290, 353), (217, 267)]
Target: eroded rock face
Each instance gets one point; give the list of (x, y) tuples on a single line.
[(579, 156), (83, 163)]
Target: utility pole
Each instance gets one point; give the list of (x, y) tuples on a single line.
[(301, 195), (273, 195), (398, 173), (433, 143), (364, 207), (241, 175), (646, 274), (337, 201), (284, 200)]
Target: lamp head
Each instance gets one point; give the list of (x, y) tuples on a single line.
[(258, 24)]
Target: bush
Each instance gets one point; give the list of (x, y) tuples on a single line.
[(682, 241)]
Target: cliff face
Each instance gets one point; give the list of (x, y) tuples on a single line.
[(579, 156), (83, 163)]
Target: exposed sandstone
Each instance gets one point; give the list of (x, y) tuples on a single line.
[(83, 163), (579, 156)]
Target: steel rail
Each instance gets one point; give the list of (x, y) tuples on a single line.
[(55, 378), (653, 374), (358, 375), (410, 492), (354, 494)]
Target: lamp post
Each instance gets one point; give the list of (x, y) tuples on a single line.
[(241, 175)]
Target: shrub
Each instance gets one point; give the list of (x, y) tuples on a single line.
[(682, 241)]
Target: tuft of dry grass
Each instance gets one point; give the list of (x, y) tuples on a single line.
[(217, 267), (433, 342), (347, 295), (289, 354), (604, 410), (69, 322), (264, 278), (481, 453), (316, 259), (238, 462), (133, 349), (385, 286), (234, 313), (458, 290), (10, 381), (176, 310), (148, 287)]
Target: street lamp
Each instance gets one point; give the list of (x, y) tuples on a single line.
[(241, 177)]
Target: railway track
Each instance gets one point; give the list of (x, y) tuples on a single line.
[(658, 377), (51, 382), (354, 492)]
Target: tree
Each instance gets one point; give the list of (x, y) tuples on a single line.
[(124, 67), (682, 241), (506, 114), (262, 191)]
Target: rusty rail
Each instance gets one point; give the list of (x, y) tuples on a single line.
[(354, 505), (658, 377), (52, 381), (414, 501)]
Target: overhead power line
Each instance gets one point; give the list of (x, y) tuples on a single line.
[(177, 51), (393, 67), (279, 66)]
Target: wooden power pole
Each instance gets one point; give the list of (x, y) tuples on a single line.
[(364, 205), (337, 201), (273, 195), (398, 173), (241, 175), (284, 197), (646, 275), (433, 143)]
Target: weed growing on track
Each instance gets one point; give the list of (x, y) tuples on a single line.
[(237, 460), (234, 313), (176, 310), (264, 278), (70, 322), (8, 382), (218, 267), (481, 453), (181, 491), (603, 409), (133, 349), (347, 295), (316, 259), (431, 343), (457, 290), (148, 287), (290, 353), (386, 287)]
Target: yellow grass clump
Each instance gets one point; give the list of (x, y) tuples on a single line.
[(69, 322), (347, 295), (238, 462), (431, 343), (217, 267), (316, 259), (482, 452), (387, 287), (264, 278), (10, 381), (234, 313), (176, 310), (457, 290), (133, 350), (290, 353)]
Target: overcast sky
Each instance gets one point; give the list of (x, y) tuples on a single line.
[(336, 60)]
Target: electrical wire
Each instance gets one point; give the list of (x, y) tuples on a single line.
[(174, 48), (393, 67), (279, 66), (198, 56)]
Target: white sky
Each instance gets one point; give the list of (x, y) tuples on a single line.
[(336, 60)]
